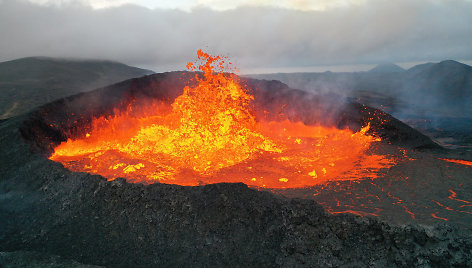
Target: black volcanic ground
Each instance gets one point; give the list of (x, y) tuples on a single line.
[(48, 211)]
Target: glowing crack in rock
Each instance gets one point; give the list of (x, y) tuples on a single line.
[(458, 161)]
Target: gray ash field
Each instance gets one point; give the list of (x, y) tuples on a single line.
[(417, 213)]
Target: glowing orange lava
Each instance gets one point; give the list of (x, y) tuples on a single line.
[(210, 134), (458, 161)]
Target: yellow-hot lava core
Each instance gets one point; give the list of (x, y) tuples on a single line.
[(209, 134)]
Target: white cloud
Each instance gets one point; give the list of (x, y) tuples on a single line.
[(188, 5), (254, 37)]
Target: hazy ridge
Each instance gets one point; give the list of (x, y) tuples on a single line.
[(426, 91), (30, 82)]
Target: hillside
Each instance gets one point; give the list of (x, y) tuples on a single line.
[(443, 88), (30, 82)]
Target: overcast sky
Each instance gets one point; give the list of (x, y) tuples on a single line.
[(256, 35)]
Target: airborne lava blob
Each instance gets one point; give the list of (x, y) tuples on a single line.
[(209, 134)]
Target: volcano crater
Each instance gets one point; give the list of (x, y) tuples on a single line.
[(81, 216)]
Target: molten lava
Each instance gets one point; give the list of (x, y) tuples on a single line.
[(209, 134), (458, 161)]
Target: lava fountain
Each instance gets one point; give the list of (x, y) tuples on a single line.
[(210, 134)]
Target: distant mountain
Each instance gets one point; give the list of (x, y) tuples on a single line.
[(30, 82), (420, 67), (444, 87), (431, 90), (447, 68), (387, 68)]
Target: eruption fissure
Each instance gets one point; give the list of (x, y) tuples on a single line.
[(210, 134), (458, 161)]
